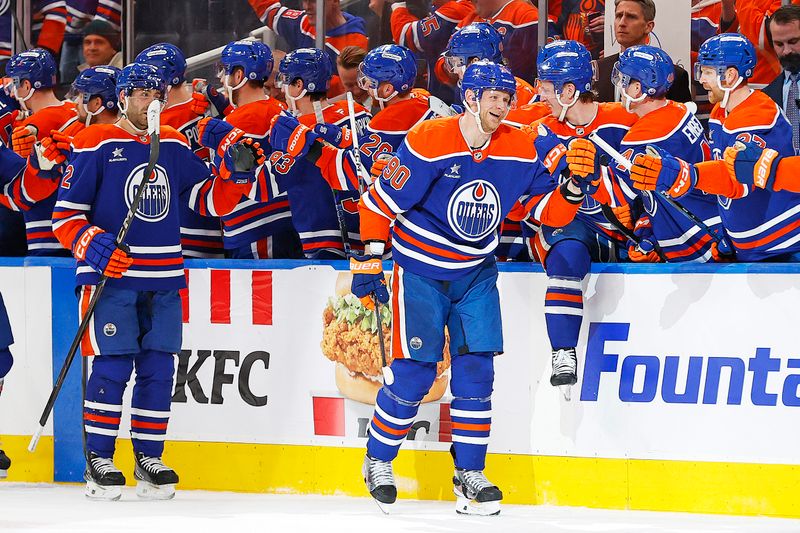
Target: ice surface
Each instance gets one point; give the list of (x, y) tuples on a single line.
[(44, 507)]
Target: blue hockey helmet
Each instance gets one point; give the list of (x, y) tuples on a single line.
[(98, 81), (168, 59), (311, 65), (485, 75), (724, 51), (141, 76), (479, 40), (253, 57), (650, 66), (388, 63), (562, 62), (36, 65)]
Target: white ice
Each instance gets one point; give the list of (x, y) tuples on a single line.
[(40, 507)]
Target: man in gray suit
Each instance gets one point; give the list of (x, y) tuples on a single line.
[(784, 28)]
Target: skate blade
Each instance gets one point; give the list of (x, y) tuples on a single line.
[(471, 507), (386, 508), (100, 493), (566, 390), (149, 491)]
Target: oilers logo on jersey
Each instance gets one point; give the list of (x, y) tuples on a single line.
[(474, 210), (154, 205)]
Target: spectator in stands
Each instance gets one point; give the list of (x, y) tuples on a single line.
[(633, 22), (580, 20), (750, 18), (101, 45), (298, 27), (785, 29)]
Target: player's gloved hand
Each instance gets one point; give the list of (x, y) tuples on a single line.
[(286, 134), (42, 166), (658, 170), (99, 250), (204, 95), (643, 251), (217, 134), (22, 140), (551, 150), (623, 214), (333, 134), (368, 279), (752, 165), (582, 158), (240, 161), (379, 164), (56, 148), (7, 101)]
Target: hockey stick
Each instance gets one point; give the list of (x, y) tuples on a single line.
[(627, 164), (153, 129), (388, 375)]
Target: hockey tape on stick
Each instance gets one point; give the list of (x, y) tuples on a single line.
[(153, 127), (607, 148)]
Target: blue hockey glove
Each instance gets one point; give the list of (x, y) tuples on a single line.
[(338, 137), (99, 250), (368, 279), (751, 164), (288, 135)]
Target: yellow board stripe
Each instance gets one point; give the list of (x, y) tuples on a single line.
[(689, 486), (25, 466)]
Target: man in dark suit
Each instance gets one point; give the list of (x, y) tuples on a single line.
[(633, 22), (784, 27)]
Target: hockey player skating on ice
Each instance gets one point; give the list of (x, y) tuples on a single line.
[(762, 224), (6, 361), (442, 198), (137, 320)]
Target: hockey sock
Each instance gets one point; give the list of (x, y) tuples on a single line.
[(471, 408), (150, 405), (102, 406), (567, 264), (6, 361), (397, 406)]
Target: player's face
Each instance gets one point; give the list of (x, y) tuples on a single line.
[(349, 79), (495, 106), (137, 103), (547, 92), (708, 78)]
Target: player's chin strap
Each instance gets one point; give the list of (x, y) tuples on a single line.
[(565, 107), (382, 101), (23, 100), (229, 89), (475, 114), (628, 99), (292, 100), (90, 115), (728, 91)]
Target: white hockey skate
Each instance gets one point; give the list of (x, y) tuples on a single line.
[(475, 495), (156, 481), (379, 478), (104, 481), (565, 368)]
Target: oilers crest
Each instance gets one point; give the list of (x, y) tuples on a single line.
[(154, 204), (474, 210)]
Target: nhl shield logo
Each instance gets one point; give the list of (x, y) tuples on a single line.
[(474, 210), (154, 204)]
